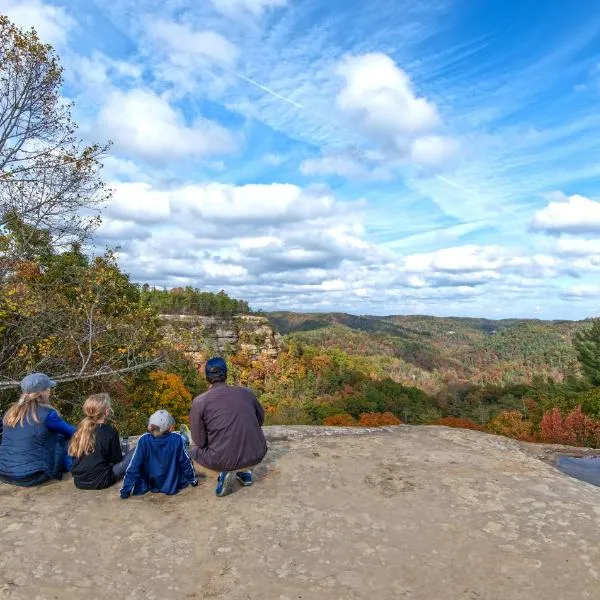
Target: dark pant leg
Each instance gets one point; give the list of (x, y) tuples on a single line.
[(120, 468)]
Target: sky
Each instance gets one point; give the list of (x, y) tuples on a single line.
[(392, 157)]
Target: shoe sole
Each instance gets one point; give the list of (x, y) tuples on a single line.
[(227, 485), (244, 483)]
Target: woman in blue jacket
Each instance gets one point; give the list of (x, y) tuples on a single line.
[(35, 438)]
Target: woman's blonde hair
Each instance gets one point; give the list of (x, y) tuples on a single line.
[(95, 409), (27, 408)]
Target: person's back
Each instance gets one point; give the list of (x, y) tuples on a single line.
[(226, 428), (160, 462), (96, 448), (35, 437)]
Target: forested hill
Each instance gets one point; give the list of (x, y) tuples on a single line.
[(456, 349)]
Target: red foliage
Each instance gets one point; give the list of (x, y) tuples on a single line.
[(343, 420), (576, 429), (378, 419), (552, 427), (458, 422)]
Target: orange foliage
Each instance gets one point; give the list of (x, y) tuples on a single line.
[(511, 423), (378, 419), (167, 391), (343, 420), (576, 429), (459, 423)]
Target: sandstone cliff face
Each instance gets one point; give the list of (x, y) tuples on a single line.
[(199, 337)]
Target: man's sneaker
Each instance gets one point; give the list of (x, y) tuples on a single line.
[(244, 477), (186, 434), (224, 483)]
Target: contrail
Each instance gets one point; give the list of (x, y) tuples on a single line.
[(453, 184), (271, 92)]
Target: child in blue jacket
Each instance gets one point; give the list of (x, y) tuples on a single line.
[(160, 462)]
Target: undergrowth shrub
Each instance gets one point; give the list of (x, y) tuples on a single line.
[(343, 420), (378, 419)]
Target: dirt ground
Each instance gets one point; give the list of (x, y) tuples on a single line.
[(421, 513)]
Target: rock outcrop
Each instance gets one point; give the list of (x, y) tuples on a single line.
[(420, 513), (199, 337)]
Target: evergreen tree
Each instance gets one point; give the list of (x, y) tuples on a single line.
[(587, 346)]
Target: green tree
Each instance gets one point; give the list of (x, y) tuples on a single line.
[(587, 346)]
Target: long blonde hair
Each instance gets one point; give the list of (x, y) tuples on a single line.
[(27, 408), (95, 409)]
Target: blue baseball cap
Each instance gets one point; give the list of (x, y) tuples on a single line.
[(36, 382), (215, 366)]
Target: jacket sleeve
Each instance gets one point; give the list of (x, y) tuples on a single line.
[(260, 411), (197, 426), (134, 469), (54, 423), (186, 466)]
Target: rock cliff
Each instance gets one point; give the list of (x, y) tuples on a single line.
[(420, 513), (200, 336)]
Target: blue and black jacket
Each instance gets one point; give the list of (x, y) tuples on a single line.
[(32, 453), (159, 464)]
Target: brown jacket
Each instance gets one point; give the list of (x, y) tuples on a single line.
[(226, 428)]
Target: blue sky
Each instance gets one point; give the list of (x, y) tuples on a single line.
[(437, 157)]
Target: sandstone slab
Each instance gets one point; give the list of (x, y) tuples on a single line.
[(422, 513)]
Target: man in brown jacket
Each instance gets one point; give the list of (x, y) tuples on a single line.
[(226, 426)]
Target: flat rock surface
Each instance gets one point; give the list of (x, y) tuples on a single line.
[(423, 513)]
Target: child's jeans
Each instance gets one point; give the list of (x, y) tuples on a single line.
[(120, 468)]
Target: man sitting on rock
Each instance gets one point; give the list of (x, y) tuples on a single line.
[(225, 424)]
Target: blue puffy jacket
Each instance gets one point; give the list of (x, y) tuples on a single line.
[(32, 453), (159, 464)]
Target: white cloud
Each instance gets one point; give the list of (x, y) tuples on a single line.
[(432, 150), (216, 203), (52, 23), (578, 247), (99, 71), (254, 7), (139, 202), (379, 97), (577, 215), (583, 291), (185, 45), (114, 230), (379, 100), (343, 166), (145, 125), (282, 246), (457, 260)]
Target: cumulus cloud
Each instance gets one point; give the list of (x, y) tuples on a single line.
[(214, 206), (253, 7), (432, 150), (52, 23), (282, 246), (576, 215), (143, 124), (578, 247), (378, 98)]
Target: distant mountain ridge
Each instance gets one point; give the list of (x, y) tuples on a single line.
[(454, 349)]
